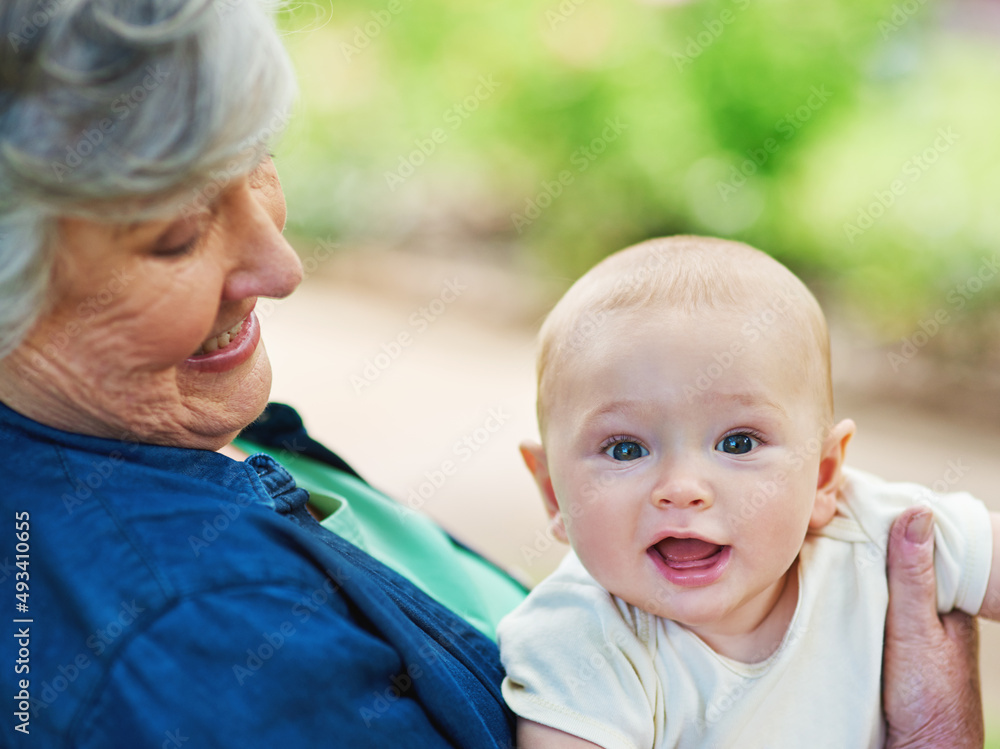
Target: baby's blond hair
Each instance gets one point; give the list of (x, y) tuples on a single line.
[(687, 274)]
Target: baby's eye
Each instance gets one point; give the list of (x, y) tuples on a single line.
[(737, 444), (626, 450)]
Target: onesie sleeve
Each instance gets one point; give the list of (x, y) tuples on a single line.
[(963, 538), (579, 660)]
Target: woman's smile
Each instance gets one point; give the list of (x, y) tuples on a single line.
[(213, 344), (228, 350)]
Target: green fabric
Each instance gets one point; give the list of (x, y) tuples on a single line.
[(405, 540)]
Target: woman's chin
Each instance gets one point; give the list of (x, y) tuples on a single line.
[(221, 406)]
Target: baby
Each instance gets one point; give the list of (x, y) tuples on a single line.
[(726, 584)]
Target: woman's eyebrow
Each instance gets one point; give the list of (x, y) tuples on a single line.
[(126, 230), (123, 230)]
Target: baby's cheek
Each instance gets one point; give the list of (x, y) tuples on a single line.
[(592, 517), (571, 511)]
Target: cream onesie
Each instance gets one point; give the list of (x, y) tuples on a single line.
[(585, 662)]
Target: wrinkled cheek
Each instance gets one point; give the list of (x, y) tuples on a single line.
[(139, 356), (130, 341), (261, 374)]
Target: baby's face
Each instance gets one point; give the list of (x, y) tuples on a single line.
[(684, 453)]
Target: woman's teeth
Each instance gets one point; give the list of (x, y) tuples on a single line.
[(220, 341)]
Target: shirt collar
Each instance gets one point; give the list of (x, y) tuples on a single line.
[(274, 487)]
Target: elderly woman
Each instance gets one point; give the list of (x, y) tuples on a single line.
[(160, 591)]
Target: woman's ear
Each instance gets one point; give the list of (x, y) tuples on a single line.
[(831, 476), (534, 457)]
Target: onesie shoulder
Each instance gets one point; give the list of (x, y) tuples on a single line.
[(580, 660), (963, 541)]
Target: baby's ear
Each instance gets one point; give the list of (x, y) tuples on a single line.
[(534, 457), (831, 476)]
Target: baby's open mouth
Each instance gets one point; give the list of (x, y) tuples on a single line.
[(688, 553), (220, 341)]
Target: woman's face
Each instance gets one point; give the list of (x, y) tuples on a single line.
[(152, 336)]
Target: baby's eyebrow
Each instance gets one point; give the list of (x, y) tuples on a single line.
[(751, 400), (615, 408), (636, 406)]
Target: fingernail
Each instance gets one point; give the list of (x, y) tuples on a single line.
[(919, 529)]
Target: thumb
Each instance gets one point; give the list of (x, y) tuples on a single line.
[(912, 587)]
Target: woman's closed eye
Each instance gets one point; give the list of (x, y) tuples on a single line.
[(177, 250), (625, 449), (181, 238)]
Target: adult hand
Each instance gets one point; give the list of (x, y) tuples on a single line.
[(930, 677)]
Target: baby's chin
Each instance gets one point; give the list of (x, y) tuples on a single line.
[(694, 608)]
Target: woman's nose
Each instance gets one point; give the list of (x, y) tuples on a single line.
[(266, 264)]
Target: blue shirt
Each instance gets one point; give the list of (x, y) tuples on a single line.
[(179, 597)]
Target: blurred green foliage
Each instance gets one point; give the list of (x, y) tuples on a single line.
[(853, 139)]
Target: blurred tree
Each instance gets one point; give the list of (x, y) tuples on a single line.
[(850, 138)]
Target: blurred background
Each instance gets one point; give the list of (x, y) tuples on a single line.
[(452, 167)]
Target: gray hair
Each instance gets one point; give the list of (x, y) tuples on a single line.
[(124, 110)]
